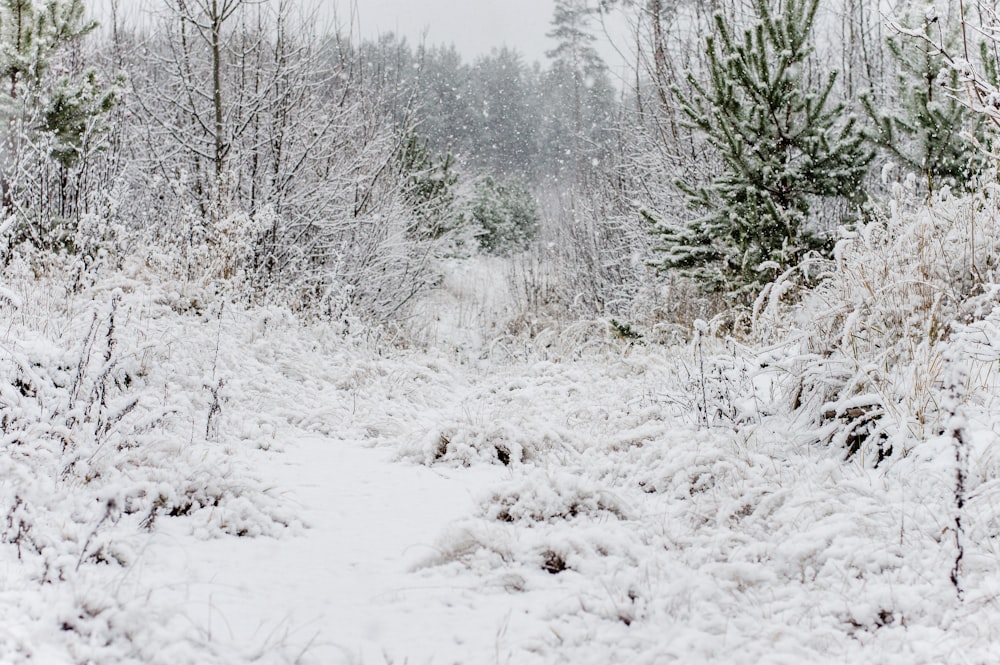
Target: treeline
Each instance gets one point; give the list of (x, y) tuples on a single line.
[(499, 113), (231, 141)]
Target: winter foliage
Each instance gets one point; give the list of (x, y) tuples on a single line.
[(323, 350)]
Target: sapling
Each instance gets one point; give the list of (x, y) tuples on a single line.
[(956, 430), (783, 145), (700, 330)]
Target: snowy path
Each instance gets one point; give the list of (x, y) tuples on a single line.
[(341, 590), (620, 531)]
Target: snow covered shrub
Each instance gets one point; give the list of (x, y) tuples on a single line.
[(307, 192), (723, 387), (194, 250), (863, 352), (545, 497), (465, 444), (543, 523), (590, 260), (63, 413), (365, 240)]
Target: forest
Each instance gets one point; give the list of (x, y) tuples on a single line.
[(319, 348)]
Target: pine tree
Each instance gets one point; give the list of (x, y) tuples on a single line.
[(507, 215), (38, 109), (574, 49), (30, 36), (923, 132), (429, 184), (578, 90), (782, 147)]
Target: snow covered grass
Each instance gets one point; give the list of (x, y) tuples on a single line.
[(867, 353), (187, 480), (114, 410), (649, 539), (639, 536)]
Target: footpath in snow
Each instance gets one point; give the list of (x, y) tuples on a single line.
[(341, 589)]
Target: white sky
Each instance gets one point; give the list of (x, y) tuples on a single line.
[(474, 26)]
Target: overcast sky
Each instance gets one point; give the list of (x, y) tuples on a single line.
[(474, 26)]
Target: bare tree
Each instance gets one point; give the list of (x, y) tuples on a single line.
[(267, 158)]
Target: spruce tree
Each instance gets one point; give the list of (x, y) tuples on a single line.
[(782, 146)]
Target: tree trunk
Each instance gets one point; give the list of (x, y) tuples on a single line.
[(220, 146)]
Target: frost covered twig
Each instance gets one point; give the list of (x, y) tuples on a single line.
[(700, 329), (110, 507)]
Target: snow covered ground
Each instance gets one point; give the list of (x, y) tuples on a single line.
[(228, 485)]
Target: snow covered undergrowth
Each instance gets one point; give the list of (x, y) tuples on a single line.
[(627, 535), (224, 485), (113, 408)]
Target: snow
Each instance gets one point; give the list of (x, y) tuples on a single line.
[(474, 497), (327, 594)]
